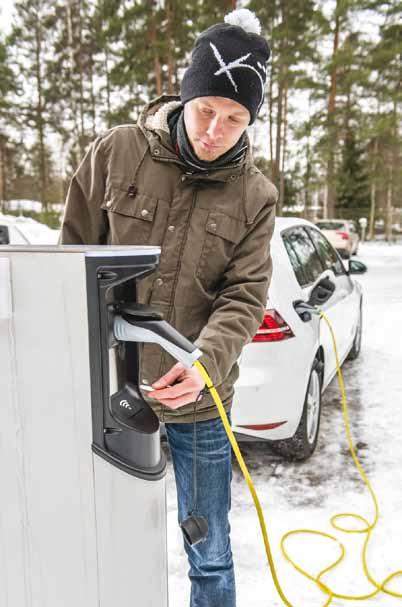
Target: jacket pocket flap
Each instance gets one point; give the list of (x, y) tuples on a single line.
[(224, 226), (141, 207)]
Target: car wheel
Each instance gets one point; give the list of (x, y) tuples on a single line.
[(304, 441), (357, 341)]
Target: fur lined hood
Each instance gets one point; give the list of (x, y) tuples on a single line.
[(158, 120)]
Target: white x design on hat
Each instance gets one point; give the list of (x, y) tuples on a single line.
[(225, 68)]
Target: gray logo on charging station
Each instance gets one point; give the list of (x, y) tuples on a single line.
[(125, 404)]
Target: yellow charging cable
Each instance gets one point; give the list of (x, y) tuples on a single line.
[(367, 527), (246, 475)]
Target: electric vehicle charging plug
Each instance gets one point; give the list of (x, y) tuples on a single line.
[(159, 332), (305, 310)]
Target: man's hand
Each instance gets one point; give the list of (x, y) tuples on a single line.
[(187, 385)]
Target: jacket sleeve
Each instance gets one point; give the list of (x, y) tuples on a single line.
[(84, 221), (238, 309)]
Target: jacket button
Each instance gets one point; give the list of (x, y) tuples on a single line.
[(109, 204), (171, 228), (233, 177), (156, 151), (144, 212), (159, 282)]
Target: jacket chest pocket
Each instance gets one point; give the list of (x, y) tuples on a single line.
[(130, 219), (222, 234)]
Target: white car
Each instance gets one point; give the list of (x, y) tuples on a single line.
[(291, 359), (25, 230)]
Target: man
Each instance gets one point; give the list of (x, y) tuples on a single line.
[(183, 178)]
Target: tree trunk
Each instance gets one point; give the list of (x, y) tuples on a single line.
[(392, 172), (278, 146), (373, 192), (106, 64), (282, 79), (78, 54), (3, 192), (331, 123), (370, 234), (169, 48), (92, 93), (271, 120), (70, 39), (284, 140), (39, 116), (152, 40), (389, 208)]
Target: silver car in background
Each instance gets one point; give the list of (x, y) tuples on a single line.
[(342, 234)]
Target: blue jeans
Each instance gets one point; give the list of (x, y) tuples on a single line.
[(211, 565)]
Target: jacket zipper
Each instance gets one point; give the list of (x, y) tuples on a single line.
[(176, 278)]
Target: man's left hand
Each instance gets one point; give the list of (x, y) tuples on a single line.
[(177, 387)]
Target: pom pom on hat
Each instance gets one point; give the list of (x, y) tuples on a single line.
[(245, 19)]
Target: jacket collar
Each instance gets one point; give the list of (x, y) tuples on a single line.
[(153, 124)]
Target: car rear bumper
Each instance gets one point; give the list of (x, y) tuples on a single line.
[(270, 389)]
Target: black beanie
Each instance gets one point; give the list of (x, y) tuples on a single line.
[(228, 60)]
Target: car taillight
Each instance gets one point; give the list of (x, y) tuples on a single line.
[(273, 328), (343, 235)]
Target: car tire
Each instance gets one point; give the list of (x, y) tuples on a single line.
[(303, 443), (357, 340)]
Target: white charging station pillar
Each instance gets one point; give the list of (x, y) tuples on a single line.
[(83, 515)]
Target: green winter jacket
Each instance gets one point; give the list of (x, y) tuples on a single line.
[(214, 231)]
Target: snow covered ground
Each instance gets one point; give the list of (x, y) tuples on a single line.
[(307, 495)]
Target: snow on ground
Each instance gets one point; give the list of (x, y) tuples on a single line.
[(307, 495)]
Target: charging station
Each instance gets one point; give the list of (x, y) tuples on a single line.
[(83, 515)]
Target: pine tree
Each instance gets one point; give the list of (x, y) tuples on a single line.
[(29, 39), (352, 184), (8, 87), (291, 29), (387, 65)]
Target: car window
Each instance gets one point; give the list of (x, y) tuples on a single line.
[(328, 255), (331, 225), (296, 264), (4, 235), (306, 254)]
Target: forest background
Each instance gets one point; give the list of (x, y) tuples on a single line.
[(328, 135)]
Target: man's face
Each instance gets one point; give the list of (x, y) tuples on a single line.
[(214, 125)]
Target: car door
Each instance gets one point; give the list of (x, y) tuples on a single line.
[(15, 236), (312, 270), (345, 298)]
